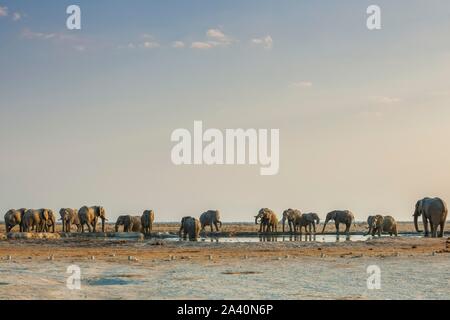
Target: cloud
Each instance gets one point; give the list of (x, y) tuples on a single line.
[(150, 44), (266, 42), (178, 44), (16, 16), (28, 34), (385, 99), (215, 38), (301, 84), (3, 11), (201, 45)]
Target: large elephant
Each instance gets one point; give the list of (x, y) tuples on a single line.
[(129, 223), (290, 215), (50, 223), (69, 217), (147, 218), (268, 220), (190, 227), (89, 216), (340, 216), (14, 217), (210, 218), (433, 211), (37, 219)]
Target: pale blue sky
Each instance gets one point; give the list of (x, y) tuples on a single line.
[(86, 116)]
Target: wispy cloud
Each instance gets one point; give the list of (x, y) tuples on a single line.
[(178, 44), (28, 34), (69, 40), (301, 85), (215, 38), (266, 42), (3, 11), (147, 41)]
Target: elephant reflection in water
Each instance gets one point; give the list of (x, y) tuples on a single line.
[(268, 238)]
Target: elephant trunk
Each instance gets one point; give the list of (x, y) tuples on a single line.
[(256, 219), (415, 223), (283, 222), (103, 225)]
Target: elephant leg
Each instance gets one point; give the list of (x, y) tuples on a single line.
[(89, 227), (441, 232), (425, 225), (337, 228), (211, 227), (217, 226), (347, 229)]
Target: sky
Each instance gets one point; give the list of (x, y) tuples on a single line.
[(86, 115)]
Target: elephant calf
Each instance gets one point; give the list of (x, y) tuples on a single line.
[(147, 219), (211, 218), (190, 227), (129, 223)]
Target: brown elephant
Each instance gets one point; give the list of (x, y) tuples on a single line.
[(190, 226), (433, 211), (210, 218), (69, 217), (37, 219), (129, 223), (89, 216), (290, 215), (268, 220), (147, 218), (14, 217), (340, 216), (379, 224)]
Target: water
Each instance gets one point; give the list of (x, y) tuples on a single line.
[(298, 238)]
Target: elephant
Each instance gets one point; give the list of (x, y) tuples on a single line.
[(37, 219), (147, 218), (210, 218), (433, 211), (340, 216), (268, 220), (69, 217), (375, 224), (307, 220), (14, 217), (378, 224), (89, 216), (129, 223), (50, 223), (190, 227), (291, 215)]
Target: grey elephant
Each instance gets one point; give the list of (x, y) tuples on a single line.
[(50, 223), (312, 219), (190, 227), (13, 218), (69, 217), (147, 218), (290, 215), (433, 211), (340, 216), (267, 219), (37, 219), (210, 218), (89, 216), (129, 223)]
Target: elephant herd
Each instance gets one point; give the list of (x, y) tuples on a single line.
[(433, 211)]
